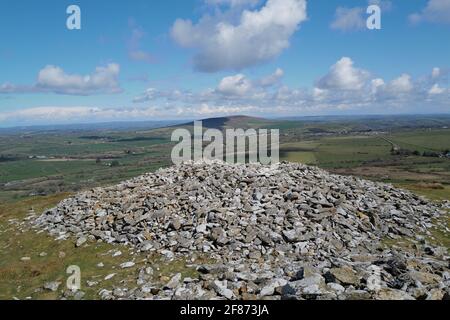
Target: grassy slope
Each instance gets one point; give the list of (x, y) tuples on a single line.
[(24, 279)]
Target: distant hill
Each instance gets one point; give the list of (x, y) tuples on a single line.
[(239, 121)]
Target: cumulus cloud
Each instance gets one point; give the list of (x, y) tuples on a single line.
[(436, 11), (344, 87), (436, 89), (401, 84), (55, 79), (435, 73), (149, 94), (256, 37), (229, 88), (272, 79), (344, 76), (347, 19), (237, 85), (102, 80), (210, 110)]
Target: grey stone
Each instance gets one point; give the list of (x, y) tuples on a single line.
[(221, 289), (269, 289), (174, 282), (52, 286), (80, 241), (128, 264)]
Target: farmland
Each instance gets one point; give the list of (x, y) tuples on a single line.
[(49, 162), (40, 168)]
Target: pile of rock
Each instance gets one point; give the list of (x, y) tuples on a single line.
[(287, 231)]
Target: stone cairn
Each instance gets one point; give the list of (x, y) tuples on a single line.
[(287, 231)]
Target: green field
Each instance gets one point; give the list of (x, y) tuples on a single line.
[(66, 161), (370, 156), (423, 140), (37, 170)]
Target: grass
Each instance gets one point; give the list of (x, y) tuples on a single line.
[(22, 279), (427, 190), (301, 157), (337, 152), (423, 140), (28, 169), (351, 151)]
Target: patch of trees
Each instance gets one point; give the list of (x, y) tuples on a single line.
[(7, 158), (137, 139), (318, 130), (107, 138), (403, 152), (428, 154), (431, 154), (115, 163)]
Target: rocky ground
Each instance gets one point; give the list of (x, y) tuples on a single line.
[(284, 232)]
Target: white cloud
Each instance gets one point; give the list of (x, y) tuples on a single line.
[(436, 89), (348, 19), (102, 80), (401, 84), (376, 84), (229, 88), (258, 36), (344, 76), (319, 94), (238, 94), (56, 80), (436, 73), (436, 11), (272, 79), (149, 94), (237, 85), (345, 87), (207, 110)]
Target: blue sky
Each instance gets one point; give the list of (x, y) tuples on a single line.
[(149, 60)]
